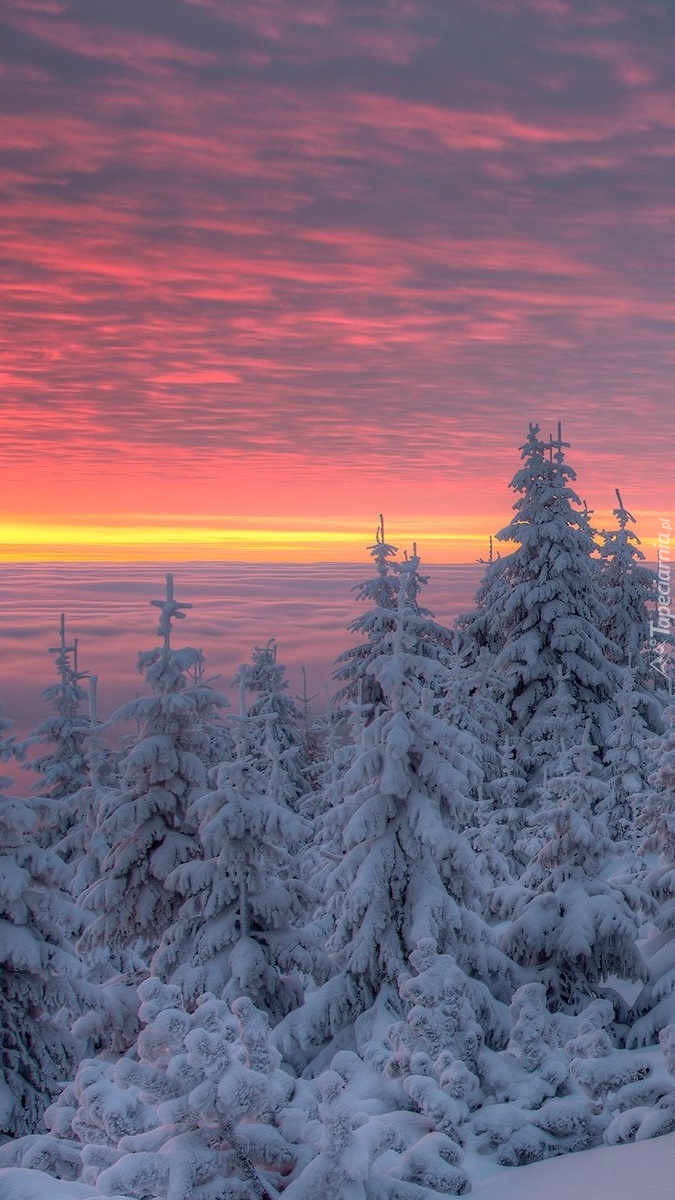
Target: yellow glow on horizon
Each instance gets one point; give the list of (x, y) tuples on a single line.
[(31, 541)]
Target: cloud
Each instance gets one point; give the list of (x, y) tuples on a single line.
[(298, 256)]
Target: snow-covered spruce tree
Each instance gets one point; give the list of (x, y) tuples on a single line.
[(62, 766), (145, 820), (372, 626), (502, 814), (536, 1109), (212, 1091), (655, 1006), (562, 1085), (39, 970), (553, 615), (476, 719), (282, 725), (634, 1090), (402, 871), (215, 737), (481, 631), (236, 932), (359, 696), (575, 924), (628, 588), (365, 1152), (629, 762), (84, 845)]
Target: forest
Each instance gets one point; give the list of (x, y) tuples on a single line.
[(249, 950)]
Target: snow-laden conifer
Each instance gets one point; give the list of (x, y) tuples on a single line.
[(281, 724), (39, 970), (213, 1088), (145, 820), (482, 629), (536, 1109), (502, 814), (629, 589), (553, 616), (61, 765), (401, 870), (364, 1152), (629, 762), (575, 924), (655, 1007), (380, 594), (242, 901)]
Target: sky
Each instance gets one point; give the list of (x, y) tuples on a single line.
[(270, 268)]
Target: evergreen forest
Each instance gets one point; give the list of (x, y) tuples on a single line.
[(250, 950)]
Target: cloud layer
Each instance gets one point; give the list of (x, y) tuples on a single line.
[(312, 258)]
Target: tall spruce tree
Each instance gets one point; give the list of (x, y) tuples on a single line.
[(553, 615), (400, 871)]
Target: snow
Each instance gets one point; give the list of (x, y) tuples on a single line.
[(19, 1184), (643, 1169)]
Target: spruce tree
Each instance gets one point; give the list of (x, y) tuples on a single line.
[(236, 931), (574, 923), (359, 686), (145, 820), (553, 615), (62, 766), (39, 970), (213, 1090), (399, 869), (281, 724), (628, 588), (629, 762), (655, 821)]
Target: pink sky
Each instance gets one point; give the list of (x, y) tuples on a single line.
[(270, 269)]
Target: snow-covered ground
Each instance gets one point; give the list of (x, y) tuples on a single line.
[(642, 1171)]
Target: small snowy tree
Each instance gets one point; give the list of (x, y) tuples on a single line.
[(242, 900), (214, 1089), (481, 629), (281, 724), (381, 595), (628, 588), (537, 1109), (361, 1155), (501, 820), (62, 767)]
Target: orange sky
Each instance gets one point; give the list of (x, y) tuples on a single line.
[(269, 270)]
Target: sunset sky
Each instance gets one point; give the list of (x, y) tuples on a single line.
[(270, 267)]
